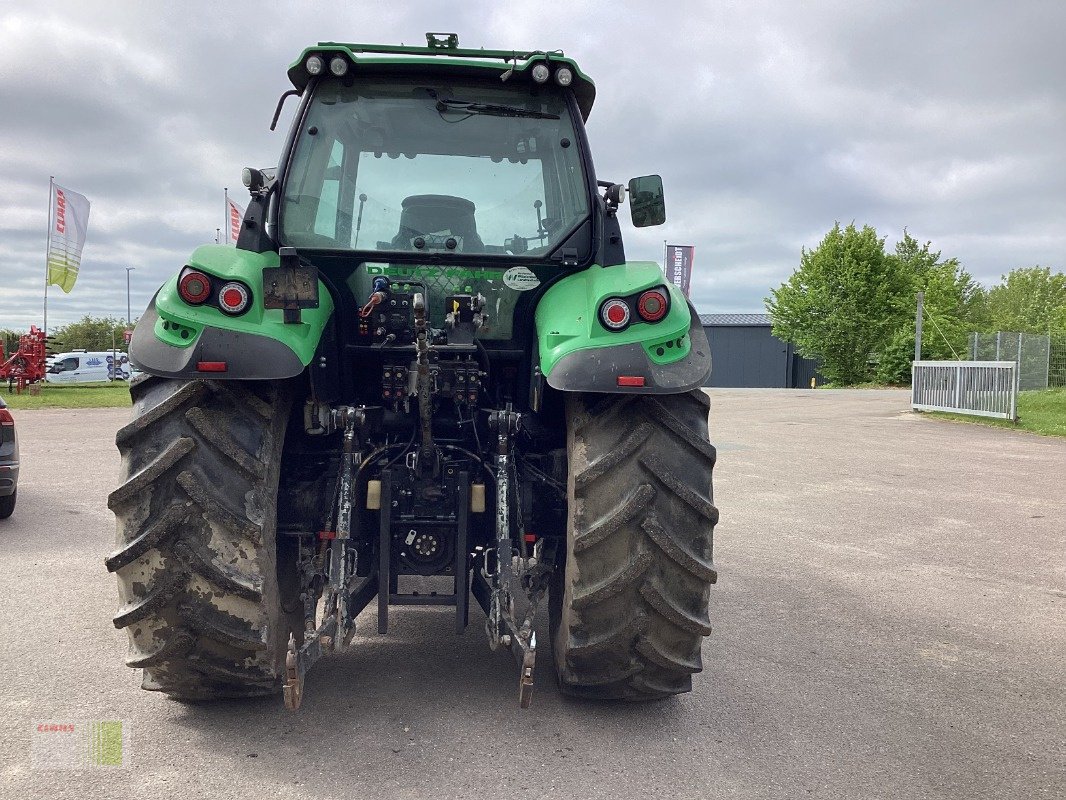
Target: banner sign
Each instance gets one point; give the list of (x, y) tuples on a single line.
[(235, 216), (679, 258), (66, 236)]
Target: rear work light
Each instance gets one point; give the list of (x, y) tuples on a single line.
[(652, 305), (194, 287), (234, 297), (614, 314), (540, 72)]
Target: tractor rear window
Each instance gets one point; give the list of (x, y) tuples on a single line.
[(434, 167)]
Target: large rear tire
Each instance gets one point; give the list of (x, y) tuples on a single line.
[(629, 611), (196, 557)]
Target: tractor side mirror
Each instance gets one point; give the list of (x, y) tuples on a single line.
[(647, 204)]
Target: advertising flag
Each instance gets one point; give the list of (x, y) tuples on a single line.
[(66, 236), (679, 258), (235, 216)]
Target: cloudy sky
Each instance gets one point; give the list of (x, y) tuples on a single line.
[(768, 120)]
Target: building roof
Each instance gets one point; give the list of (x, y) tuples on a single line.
[(735, 319)]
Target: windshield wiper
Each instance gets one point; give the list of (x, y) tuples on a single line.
[(445, 104)]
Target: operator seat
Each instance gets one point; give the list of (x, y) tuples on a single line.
[(424, 214)]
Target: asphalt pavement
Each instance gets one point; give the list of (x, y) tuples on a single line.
[(888, 624)]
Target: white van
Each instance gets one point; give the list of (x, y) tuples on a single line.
[(86, 367)]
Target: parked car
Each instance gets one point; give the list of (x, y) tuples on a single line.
[(9, 462), (86, 367)]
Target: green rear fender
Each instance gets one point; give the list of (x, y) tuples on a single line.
[(173, 338), (576, 353)]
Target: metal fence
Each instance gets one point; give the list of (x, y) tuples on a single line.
[(982, 388), (1041, 358), (1056, 375)]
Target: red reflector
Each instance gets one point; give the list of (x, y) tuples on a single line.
[(630, 380), (614, 314), (327, 534), (232, 298), (531, 538), (210, 366)]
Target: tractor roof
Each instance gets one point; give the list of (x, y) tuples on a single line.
[(445, 56)]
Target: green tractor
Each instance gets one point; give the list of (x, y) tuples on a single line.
[(425, 374)]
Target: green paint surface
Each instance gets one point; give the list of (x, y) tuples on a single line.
[(567, 316), (105, 743), (180, 324)]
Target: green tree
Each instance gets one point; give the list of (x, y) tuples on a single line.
[(1028, 300), (953, 306), (844, 303), (1058, 320), (91, 333), (9, 340)]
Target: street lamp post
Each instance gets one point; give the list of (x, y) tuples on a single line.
[(129, 317)]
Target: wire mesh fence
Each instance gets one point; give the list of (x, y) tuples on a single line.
[(1041, 359), (1056, 375)]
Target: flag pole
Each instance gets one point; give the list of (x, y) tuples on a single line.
[(225, 216), (47, 248)]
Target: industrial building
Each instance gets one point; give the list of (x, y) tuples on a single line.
[(746, 354)]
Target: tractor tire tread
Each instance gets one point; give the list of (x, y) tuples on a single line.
[(629, 611), (195, 558)]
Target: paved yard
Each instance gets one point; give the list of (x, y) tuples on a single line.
[(889, 624)]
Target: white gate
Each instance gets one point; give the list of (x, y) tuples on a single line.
[(982, 388)]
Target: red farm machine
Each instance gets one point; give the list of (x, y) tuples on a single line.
[(26, 365)]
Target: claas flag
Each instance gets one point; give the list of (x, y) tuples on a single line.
[(66, 236)]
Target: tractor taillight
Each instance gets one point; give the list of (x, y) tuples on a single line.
[(194, 287), (652, 305), (233, 298), (6, 418), (614, 314)]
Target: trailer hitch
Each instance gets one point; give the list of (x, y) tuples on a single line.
[(501, 625), (299, 659), (507, 571)]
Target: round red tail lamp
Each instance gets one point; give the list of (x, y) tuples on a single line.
[(614, 314), (233, 298), (652, 305), (194, 287)]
